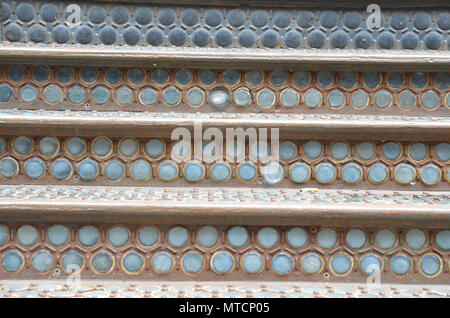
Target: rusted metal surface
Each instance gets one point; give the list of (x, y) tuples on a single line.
[(225, 206), (216, 58), (243, 289)]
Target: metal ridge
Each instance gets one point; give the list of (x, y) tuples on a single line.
[(216, 58), (186, 289), (148, 124), (225, 205)]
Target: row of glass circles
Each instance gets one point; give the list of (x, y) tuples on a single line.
[(168, 170), (131, 26), (223, 259), (241, 96), (214, 17)]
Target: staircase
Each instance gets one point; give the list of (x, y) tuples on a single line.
[(118, 177)]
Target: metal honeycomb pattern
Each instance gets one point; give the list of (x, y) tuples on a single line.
[(129, 160), (152, 252), (138, 289), (245, 28), (136, 89)]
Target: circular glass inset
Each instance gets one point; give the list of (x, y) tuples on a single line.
[(272, 173), (352, 173), (136, 76), (443, 240), (377, 173), (254, 78), (154, 148), (49, 146), (404, 173), (297, 237), (386, 239), (325, 173), (287, 150), (238, 236), (252, 263), (313, 150), (247, 171), (128, 147), (442, 151), (114, 170), (102, 262), (178, 236), (313, 98), (9, 167), (222, 262), (100, 95), (430, 174), (356, 238), (16, 73), (27, 235), (133, 263), (299, 172), (28, 93), (267, 237), (430, 265), (366, 151), (336, 99), (391, 150), (372, 79), (208, 236), (339, 150), (148, 96), (12, 261), (327, 238), (88, 169), (75, 146), (118, 236), (242, 97), (4, 234), (311, 264), (194, 171), (231, 77), (265, 98), (88, 75), (220, 172), (400, 264), (102, 147), (88, 236), (359, 99), (61, 169), (195, 97), (58, 235), (418, 151), (72, 261), (167, 171), (148, 236), (41, 73), (141, 170), (341, 264), (192, 263), (42, 261), (282, 264), (35, 168), (76, 95), (407, 100), (430, 100), (416, 239), (23, 145), (53, 94), (289, 98), (370, 264)]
